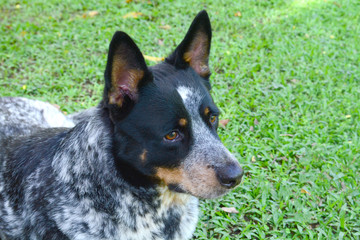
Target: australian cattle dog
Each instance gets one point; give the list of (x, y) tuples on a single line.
[(134, 167)]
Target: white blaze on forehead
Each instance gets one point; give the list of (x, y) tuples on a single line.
[(184, 92)]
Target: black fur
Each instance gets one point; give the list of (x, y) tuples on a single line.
[(133, 167)]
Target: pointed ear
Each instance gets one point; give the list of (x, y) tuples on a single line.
[(125, 72), (194, 50)]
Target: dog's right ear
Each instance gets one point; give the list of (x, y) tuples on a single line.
[(125, 72)]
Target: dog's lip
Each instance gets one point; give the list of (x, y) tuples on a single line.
[(216, 193), (177, 188)]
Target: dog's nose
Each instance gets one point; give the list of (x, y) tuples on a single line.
[(230, 174)]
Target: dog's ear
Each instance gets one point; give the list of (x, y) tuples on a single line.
[(194, 50), (125, 72)]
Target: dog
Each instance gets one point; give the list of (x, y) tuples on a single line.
[(134, 167), (22, 116)]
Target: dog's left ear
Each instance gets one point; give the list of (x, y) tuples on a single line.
[(194, 50)]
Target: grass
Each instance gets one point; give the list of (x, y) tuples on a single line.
[(285, 73)]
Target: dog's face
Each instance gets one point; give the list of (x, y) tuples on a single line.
[(165, 121)]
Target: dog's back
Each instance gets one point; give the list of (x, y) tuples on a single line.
[(22, 116)]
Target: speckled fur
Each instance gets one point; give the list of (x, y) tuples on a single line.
[(111, 210), (22, 116), (110, 172)]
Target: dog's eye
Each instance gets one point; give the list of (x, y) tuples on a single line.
[(213, 119), (172, 136)]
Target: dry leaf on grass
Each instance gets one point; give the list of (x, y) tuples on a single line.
[(230, 210), (224, 122), (161, 42), (154, 59), (166, 27), (237, 14), (93, 13), (305, 191), (132, 15)]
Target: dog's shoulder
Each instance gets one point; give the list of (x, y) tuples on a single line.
[(25, 153)]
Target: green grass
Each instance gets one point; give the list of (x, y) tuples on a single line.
[(286, 73)]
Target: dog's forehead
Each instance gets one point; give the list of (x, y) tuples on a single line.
[(191, 97), (183, 82)]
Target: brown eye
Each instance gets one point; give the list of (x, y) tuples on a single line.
[(172, 136), (213, 119)]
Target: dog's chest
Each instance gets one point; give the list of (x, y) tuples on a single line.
[(168, 222), (137, 221)]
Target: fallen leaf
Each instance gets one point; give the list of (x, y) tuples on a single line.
[(161, 42), (93, 13), (132, 15), (230, 210), (253, 159), (166, 27), (154, 59), (224, 122), (238, 14), (23, 33), (304, 191), (128, 1)]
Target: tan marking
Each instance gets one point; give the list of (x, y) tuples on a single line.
[(170, 176), (143, 156), (197, 55), (182, 122), (122, 75), (198, 180), (206, 111)]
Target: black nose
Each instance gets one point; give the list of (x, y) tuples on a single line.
[(230, 174)]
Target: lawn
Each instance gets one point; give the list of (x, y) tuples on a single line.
[(286, 74)]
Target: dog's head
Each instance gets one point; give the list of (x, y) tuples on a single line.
[(164, 119)]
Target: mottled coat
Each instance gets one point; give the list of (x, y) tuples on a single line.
[(68, 184), (131, 168)]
